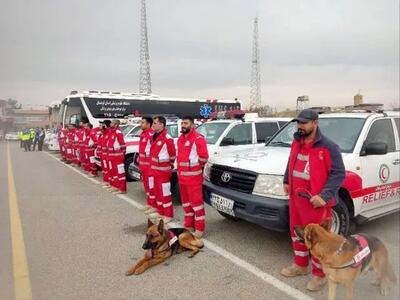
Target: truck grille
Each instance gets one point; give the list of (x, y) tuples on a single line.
[(239, 180)]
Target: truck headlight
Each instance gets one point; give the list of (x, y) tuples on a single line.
[(207, 171), (270, 185)]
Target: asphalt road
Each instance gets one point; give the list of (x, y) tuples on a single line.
[(79, 240)]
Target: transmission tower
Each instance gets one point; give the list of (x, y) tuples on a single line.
[(144, 76), (255, 89)]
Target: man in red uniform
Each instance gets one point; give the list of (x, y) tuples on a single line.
[(61, 137), (192, 156), (81, 134), (145, 141), (163, 155), (105, 163), (90, 145), (69, 144), (315, 168), (117, 149)]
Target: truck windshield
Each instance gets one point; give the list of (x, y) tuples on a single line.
[(343, 131), (212, 131)]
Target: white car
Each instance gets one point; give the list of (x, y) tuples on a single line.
[(249, 184), (227, 135), (11, 136)]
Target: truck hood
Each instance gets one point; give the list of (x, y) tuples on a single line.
[(268, 160)]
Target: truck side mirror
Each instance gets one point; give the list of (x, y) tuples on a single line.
[(374, 149), (227, 141)]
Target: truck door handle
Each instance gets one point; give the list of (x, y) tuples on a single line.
[(396, 162)]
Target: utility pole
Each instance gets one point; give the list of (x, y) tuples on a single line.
[(255, 81), (144, 76)]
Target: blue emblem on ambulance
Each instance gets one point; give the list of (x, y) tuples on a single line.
[(205, 110)]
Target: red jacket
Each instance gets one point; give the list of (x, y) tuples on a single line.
[(326, 166), (116, 143), (192, 156), (145, 142), (162, 154)]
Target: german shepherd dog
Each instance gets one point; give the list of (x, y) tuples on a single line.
[(338, 254), (160, 244)]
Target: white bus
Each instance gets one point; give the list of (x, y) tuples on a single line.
[(97, 106)]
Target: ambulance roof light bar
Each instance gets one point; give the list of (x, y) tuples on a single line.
[(229, 114)]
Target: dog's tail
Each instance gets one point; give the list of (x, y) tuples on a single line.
[(377, 246)]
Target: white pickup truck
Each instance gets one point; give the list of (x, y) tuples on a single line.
[(248, 184)]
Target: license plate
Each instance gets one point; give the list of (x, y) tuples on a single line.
[(136, 175), (222, 204)]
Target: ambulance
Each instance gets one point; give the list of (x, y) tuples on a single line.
[(248, 185)]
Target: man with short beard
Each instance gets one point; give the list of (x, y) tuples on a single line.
[(313, 176), (192, 156)]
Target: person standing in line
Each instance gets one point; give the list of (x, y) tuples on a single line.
[(117, 149), (35, 139), (144, 164), (162, 155), (315, 168), (41, 135), (105, 163), (26, 135), (192, 156), (90, 146)]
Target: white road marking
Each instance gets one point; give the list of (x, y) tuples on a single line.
[(280, 285)]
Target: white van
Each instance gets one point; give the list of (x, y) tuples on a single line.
[(249, 184)]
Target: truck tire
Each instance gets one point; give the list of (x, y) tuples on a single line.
[(228, 217), (341, 218)]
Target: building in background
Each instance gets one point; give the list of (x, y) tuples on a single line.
[(31, 118), (54, 111), (358, 99)]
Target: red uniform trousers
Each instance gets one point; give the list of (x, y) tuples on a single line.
[(193, 206), (302, 213), (90, 165), (105, 167), (148, 184), (118, 177), (162, 193)]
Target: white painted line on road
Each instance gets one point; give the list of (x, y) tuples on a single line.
[(74, 169), (285, 288)]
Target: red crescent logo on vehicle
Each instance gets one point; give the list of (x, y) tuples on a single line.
[(384, 173)]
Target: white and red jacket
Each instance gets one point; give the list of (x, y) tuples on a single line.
[(192, 156), (116, 143), (162, 154), (146, 139)]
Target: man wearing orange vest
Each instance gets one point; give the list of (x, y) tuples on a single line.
[(116, 153), (192, 156), (163, 155), (146, 138)]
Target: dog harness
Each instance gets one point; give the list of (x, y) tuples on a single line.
[(362, 255), (173, 235)]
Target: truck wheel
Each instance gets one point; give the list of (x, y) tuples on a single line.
[(229, 217), (340, 218), (128, 161)]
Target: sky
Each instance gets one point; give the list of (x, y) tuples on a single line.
[(328, 50)]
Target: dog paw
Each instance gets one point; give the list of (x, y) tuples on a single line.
[(129, 273), (384, 290)]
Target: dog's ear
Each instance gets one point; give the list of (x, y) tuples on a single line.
[(161, 226), (299, 232), (327, 224), (149, 223)]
